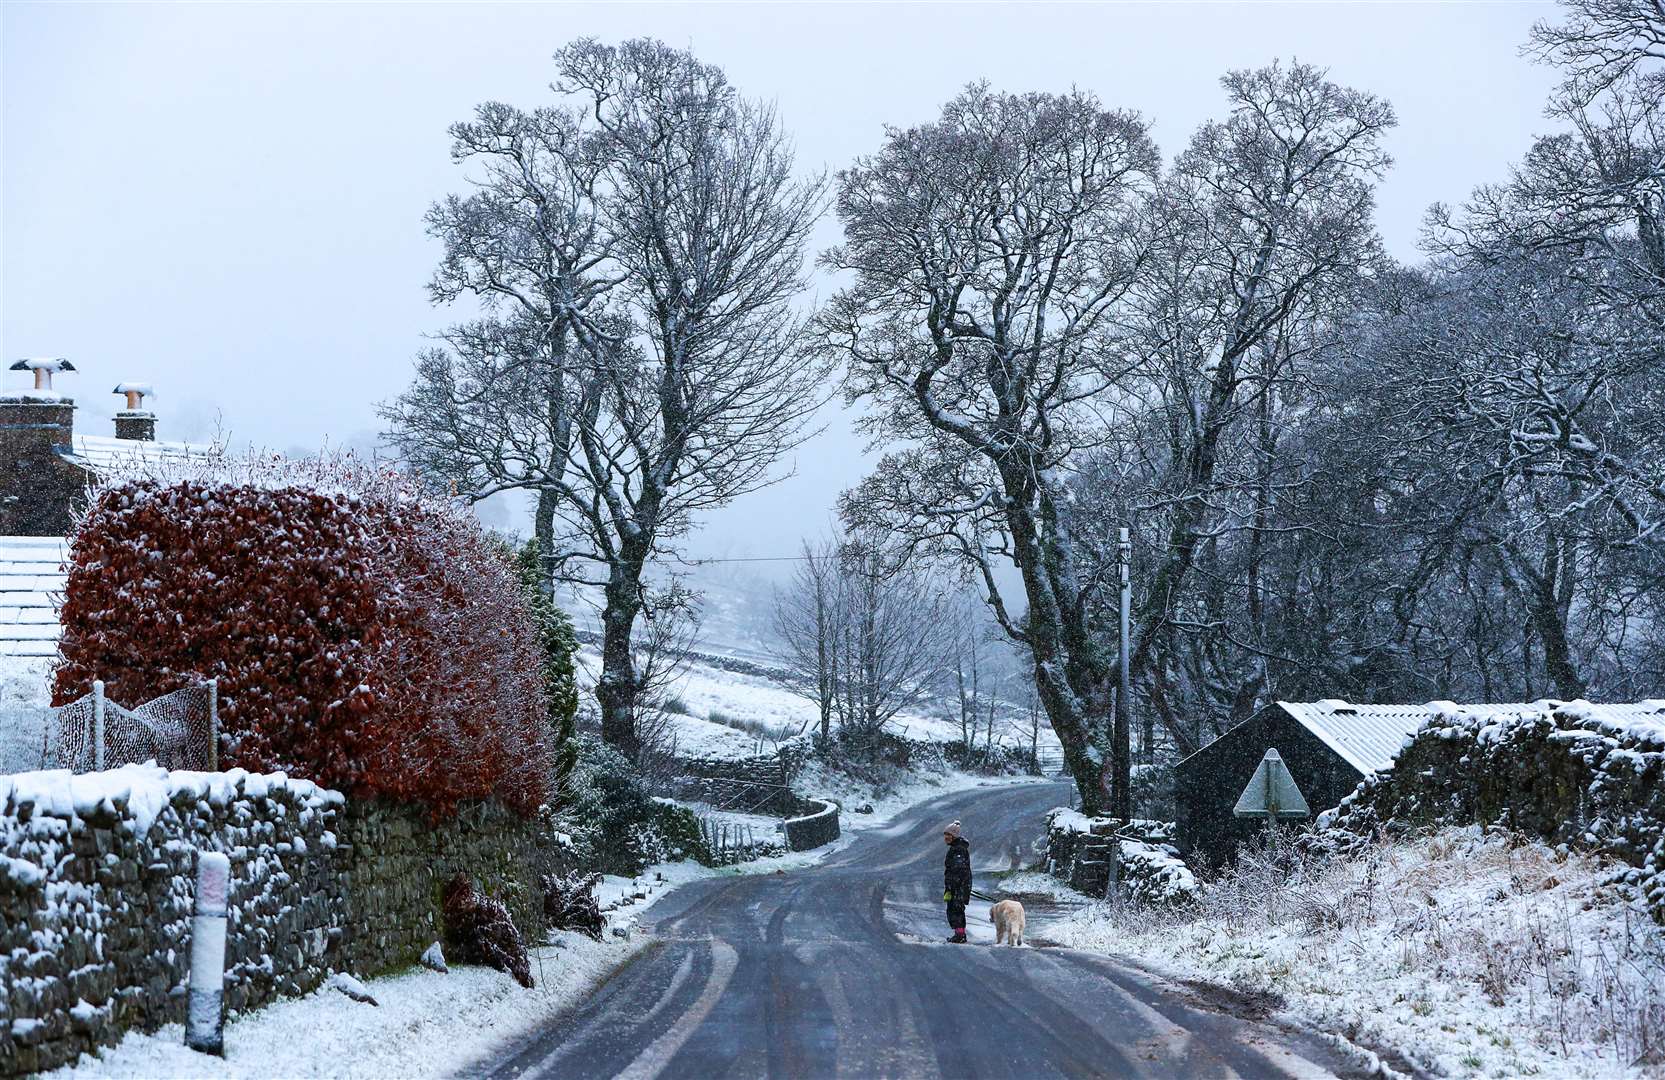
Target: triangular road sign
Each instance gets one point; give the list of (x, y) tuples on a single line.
[(1271, 792)]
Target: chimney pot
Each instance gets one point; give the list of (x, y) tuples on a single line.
[(43, 367), (135, 422)]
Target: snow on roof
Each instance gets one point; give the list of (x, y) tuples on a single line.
[(100, 452), (1367, 737), (31, 581), (43, 363)]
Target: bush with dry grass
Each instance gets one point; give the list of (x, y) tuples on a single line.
[(1473, 952)]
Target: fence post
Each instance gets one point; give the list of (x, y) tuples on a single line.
[(98, 725), (205, 1006), (214, 724)]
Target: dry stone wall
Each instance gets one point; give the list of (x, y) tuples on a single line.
[(96, 875), (1082, 851), (814, 829), (1563, 772), (754, 785)]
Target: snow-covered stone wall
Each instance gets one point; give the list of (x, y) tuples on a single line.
[(757, 785), (1079, 850), (96, 879), (1565, 772), (814, 829)]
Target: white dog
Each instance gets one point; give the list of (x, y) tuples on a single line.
[(1008, 918)]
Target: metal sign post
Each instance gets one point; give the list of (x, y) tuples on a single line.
[(1123, 740)]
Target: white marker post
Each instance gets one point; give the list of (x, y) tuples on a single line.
[(98, 725), (205, 1016)]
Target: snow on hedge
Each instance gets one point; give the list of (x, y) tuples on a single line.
[(365, 633)]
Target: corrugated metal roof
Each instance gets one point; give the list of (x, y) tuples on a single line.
[(31, 584), (1367, 737), (104, 451)]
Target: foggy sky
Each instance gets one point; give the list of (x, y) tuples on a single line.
[(226, 200)]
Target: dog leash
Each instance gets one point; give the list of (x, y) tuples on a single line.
[(985, 896)]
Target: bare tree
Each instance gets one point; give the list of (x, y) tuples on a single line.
[(989, 248), (493, 411), (808, 618), (1266, 223), (974, 674), (640, 248), (862, 635), (894, 640), (695, 406), (1602, 43), (1028, 291)]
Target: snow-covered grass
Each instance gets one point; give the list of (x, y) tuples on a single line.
[(1035, 883), (1470, 955), (703, 690), (426, 1023)]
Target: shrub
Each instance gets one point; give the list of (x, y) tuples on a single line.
[(364, 635), (569, 903), (478, 930), (558, 644), (616, 826)]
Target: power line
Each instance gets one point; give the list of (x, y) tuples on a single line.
[(747, 558)]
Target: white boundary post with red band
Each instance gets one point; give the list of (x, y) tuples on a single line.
[(205, 1015)]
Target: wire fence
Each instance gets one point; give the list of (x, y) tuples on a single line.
[(734, 842), (180, 730)]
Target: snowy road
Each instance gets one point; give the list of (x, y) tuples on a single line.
[(837, 971)]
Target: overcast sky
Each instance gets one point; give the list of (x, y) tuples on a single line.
[(226, 200)]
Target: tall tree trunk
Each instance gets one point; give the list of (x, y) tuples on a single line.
[(1549, 619), (543, 530), (617, 688), (1071, 678)]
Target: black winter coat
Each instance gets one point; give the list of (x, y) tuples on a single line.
[(956, 871)]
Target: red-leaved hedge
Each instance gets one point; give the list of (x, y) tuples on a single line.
[(364, 636)]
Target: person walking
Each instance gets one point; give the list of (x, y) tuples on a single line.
[(956, 881)]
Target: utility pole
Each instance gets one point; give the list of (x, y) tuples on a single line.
[(1121, 789)]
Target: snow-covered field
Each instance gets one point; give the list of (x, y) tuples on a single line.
[(1469, 955), (759, 704), (426, 1024)]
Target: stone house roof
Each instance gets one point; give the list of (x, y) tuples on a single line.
[(31, 586)]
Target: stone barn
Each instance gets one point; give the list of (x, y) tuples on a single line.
[(1328, 746)]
